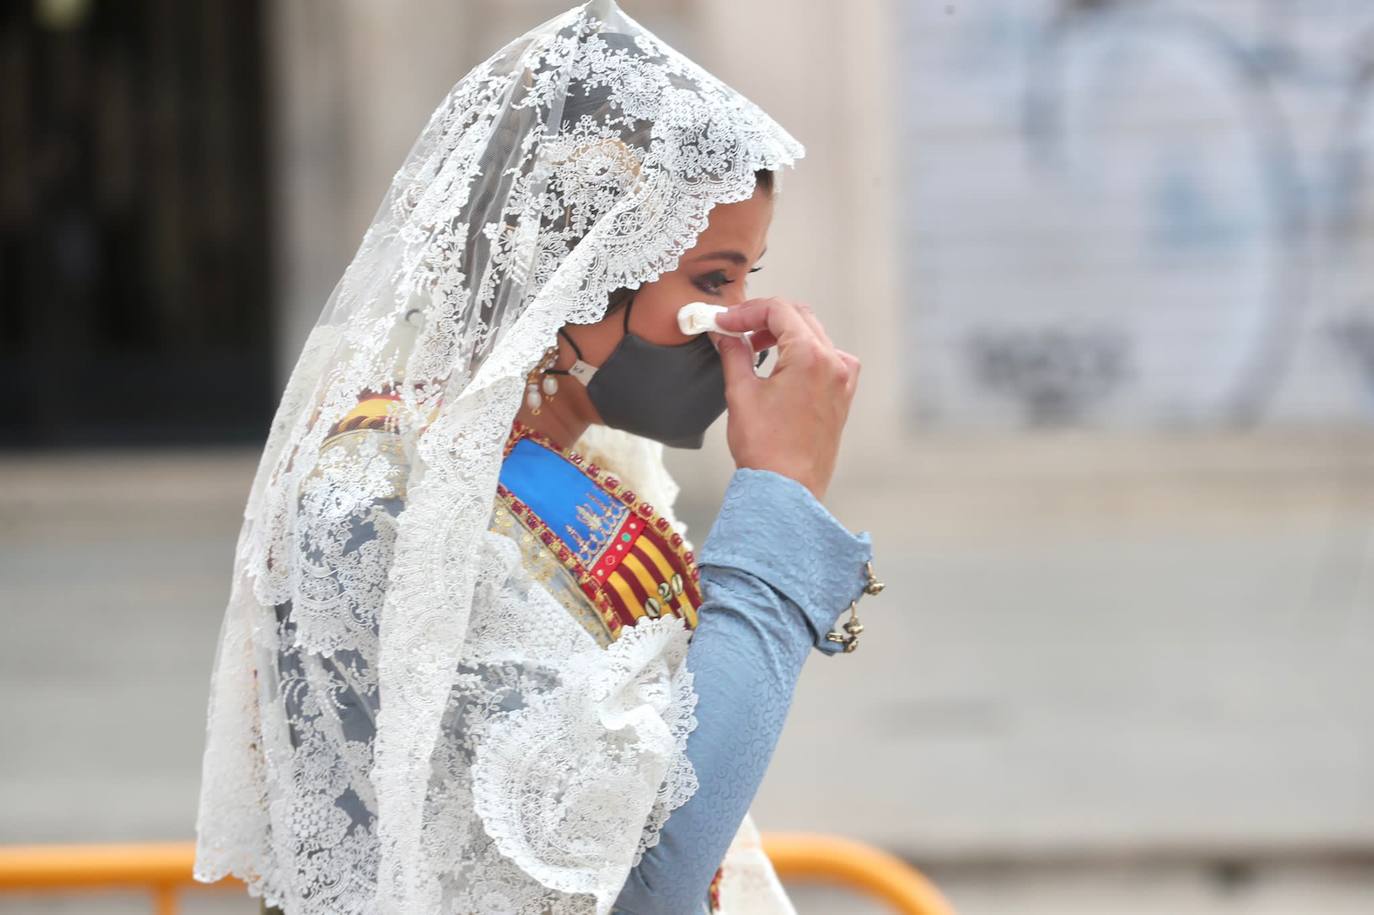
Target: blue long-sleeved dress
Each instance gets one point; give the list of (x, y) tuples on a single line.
[(776, 570)]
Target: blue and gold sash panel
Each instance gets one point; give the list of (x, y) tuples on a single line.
[(373, 411), (625, 556)]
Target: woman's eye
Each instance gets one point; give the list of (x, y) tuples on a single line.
[(711, 282)]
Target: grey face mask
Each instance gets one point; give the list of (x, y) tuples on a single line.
[(669, 393)]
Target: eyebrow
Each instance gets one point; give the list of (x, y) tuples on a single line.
[(733, 256)]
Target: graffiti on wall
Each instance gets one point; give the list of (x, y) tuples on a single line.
[(1139, 213)]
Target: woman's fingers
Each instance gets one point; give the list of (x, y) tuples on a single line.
[(736, 361), (762, 339), (770, 321), (791, 421), (777, 317), (852, 362), (810, 317)]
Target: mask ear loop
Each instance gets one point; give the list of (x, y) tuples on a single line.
[(576, 349), (581, 369)]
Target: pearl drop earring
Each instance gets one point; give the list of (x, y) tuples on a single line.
[(539, 382)]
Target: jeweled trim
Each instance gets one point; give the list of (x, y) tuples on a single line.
[(642, 513)]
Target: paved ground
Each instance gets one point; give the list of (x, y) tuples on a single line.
[(1099, 682)]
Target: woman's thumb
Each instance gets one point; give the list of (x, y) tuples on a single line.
[(736, 358)]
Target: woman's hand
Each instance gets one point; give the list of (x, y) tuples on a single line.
[(791, 421)]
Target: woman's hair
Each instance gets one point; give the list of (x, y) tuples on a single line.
[(762, 178)]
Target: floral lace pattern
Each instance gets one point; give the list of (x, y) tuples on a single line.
[(582, 157)]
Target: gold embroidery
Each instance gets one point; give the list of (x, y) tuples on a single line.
[(576, 562), (545, 568)]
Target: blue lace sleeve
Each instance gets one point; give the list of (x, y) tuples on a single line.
[(777, 570)]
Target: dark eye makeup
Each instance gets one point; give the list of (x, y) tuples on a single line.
[(705, 282)]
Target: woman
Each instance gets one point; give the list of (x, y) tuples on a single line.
[(462, 507)]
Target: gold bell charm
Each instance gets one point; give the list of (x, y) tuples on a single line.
[(874, 586), (852, 627)]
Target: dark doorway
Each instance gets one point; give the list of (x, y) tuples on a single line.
[(134, 273)]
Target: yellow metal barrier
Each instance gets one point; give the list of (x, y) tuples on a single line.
[(164, 868), (160, 867), (855, 865)]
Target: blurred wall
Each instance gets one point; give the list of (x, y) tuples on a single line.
[(1148, 214)]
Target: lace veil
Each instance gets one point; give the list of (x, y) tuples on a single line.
[(514, 765)]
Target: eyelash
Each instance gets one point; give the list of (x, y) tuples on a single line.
[(723, 282)]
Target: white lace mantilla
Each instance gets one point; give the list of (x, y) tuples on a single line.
[(514, 766)]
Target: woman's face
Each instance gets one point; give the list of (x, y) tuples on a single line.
[(714, 270)]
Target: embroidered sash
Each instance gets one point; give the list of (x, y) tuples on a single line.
[(625, 556)]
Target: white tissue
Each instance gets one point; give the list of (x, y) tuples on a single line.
[(699, 317)]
